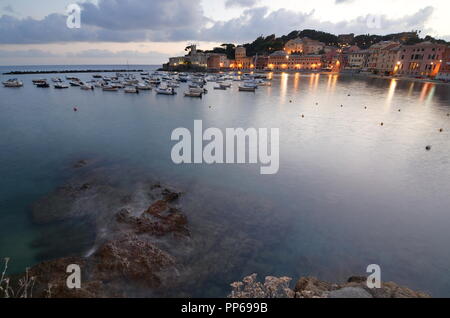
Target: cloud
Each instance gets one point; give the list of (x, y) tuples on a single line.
[(255, 21), (342, 1), (113, 21), (8, 8), (26, 53), (183, 20), (241, 3)]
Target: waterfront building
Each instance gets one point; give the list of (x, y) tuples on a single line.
[(444, 72), (303, 46), (195, 58), (280, 60), (242, 61), (422, 59), (177, 61), (387, 60), (261, 62), (357, 60), (218, 61), (375, 51)]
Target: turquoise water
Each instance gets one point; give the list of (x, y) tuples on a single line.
[(349, 191)]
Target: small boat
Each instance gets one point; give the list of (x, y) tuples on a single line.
[(13, 83), (108, 88), (56, 80), (39, 81), (72, 78), (131, 90), (144, 73), (97, 76), (87, 87), (143, 87), (221, 87), (76, 83), (43, 85), (245, 88), (165, 91), (194, 92), (61, 86)]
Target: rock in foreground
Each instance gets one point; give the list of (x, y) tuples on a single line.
[(310, 287)]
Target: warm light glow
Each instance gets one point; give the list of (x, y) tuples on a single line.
[(284, 66), (271, 66), (252, 66), (240, 65)]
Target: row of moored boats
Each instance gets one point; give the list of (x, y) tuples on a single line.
[(164, 83)]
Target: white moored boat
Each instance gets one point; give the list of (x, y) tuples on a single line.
[(108, 88), (165, 91), (194, 92), (61, 86), (87, 87), (131, 90), (13, 83), (245, 88)]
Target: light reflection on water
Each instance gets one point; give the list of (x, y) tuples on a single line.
[(349, 192)]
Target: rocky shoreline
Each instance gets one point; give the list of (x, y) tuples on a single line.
[(311, 287), (136, 237)]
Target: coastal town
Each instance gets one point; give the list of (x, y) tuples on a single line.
[(403, 55)]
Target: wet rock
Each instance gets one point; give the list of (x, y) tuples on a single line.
[(309, 287), (349, 292), (357, 279), (170, 196), (131, 259), (157, 208), (80, 164)]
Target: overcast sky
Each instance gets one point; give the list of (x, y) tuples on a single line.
[(148, 31)]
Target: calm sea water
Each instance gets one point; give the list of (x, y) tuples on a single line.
[(349, 192)]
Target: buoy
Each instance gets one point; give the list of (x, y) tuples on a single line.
[(75, 109), (365, 107), (441, 130), (303, 116), (428, 148), (382, 124), (290, 101), (399, 110)]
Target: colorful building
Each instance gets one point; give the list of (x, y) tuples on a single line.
[(423, 59), (303, 46), (444, 72), (280, 60), (357, 60), (374, 54)]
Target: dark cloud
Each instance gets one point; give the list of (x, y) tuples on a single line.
[(183, 20), (254, 22), (342, 1), (154, 15), (8, 8), (241, 3)]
